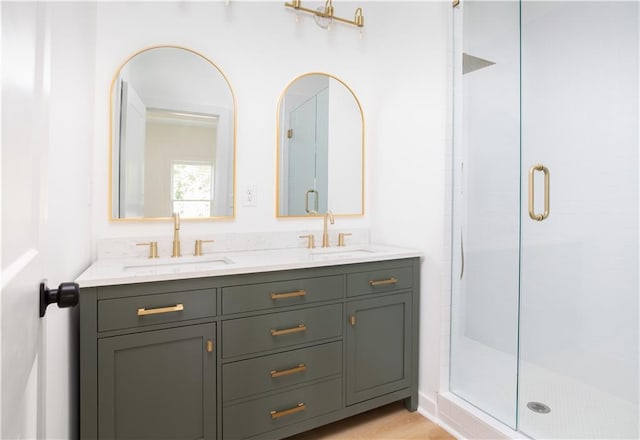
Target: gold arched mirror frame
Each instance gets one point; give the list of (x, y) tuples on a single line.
[(343, 176), (215, 122)]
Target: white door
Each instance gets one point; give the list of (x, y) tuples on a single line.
[(25, 58), (132, 152), (302, 159)]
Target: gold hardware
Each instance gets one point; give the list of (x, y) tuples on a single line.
[(277, 414), (327, 12), (209, 346), (391, 280), (290, 133), (298, 369), (285, 295), (153, 248), (325, 230), (455, 3), (532, 213), (311, 241), (286, 331), (341, 238), (176, 235), (198, 250), (159, 310), (306, 201), (352, 320)]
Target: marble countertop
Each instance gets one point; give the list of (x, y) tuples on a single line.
[(128, 270)]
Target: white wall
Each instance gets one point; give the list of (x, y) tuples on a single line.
[(398, 71), (68, 247), (408, 144)]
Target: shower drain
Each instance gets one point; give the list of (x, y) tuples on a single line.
[(538, 407)]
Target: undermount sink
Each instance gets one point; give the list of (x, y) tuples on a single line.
[(176, 265), (326, 253)]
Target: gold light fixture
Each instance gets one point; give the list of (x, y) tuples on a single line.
[(325, 15)]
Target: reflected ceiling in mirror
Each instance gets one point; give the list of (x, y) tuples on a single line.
[(320, 148), (172, 137)]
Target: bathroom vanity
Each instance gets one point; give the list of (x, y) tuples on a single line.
[(250, 345)]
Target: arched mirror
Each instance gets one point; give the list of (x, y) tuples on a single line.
[(172, 137), (320, 148)]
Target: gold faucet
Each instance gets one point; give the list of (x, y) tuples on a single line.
[(325, 231), (176, 235)]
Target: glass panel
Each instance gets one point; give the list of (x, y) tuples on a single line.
[(484, 319), (579, 282)]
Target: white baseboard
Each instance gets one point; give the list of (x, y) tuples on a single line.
[(462, 420)]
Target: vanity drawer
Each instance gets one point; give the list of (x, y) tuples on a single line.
[(270, 373), (363, 283), (273, 412), (276, 330), (263, 296), (161, 308)]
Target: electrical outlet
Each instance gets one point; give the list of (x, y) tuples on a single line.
[(250, 196)]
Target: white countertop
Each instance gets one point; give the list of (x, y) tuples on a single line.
[(114, 271)]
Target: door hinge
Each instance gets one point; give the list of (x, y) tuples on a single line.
[(290, 133)]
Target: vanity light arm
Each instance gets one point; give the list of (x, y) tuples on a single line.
[(328, 12)]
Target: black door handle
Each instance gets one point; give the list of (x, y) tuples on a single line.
[(66, 295)]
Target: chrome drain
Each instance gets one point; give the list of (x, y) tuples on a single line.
[(538, 407)]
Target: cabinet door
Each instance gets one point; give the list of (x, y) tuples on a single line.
[(158, 384), (378, 346)]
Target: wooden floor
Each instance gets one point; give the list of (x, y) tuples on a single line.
[(391, 422)]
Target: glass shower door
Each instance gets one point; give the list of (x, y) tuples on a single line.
[(486, 200), (578, 372)]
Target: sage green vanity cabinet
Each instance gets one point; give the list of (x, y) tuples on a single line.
[(255, 356), (378, 346), (158, 384)]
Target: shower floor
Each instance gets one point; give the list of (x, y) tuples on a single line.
[(486, 378)]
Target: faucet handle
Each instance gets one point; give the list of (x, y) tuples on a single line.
[(311, 243), (153, 248), (198, 250), (341, 238)]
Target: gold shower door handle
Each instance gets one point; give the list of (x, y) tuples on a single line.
[(532, 211), (315, 201)]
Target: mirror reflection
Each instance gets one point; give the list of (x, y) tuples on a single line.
[(173, 137), (320, 148)]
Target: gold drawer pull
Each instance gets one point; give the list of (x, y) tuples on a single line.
[(288, 294), (296, 409), (391, 280), (159, 310), (299, 369), (286, 331)]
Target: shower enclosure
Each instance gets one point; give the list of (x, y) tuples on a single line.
[(544, 302)]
